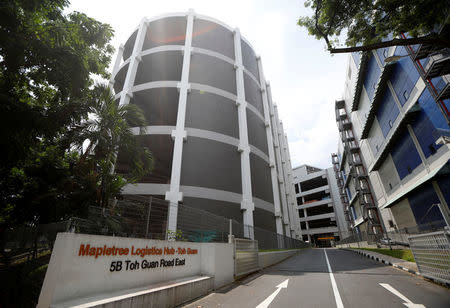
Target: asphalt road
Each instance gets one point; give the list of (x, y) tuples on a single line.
[(358, 282)]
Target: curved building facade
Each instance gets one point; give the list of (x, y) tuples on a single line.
[(213, 129)]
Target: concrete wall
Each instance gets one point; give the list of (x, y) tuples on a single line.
[(272, 257), (72, 276)]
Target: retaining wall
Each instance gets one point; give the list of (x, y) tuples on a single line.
[(272, 257)]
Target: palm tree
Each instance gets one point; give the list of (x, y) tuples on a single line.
[(108, 131)]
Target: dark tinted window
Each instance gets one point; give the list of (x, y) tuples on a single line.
[(167, 31), (209, 35), (160, 105), (212, 112), (213, 72), (160, 66), (211, 164), (249, 59)]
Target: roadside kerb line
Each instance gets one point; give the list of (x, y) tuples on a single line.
[(384, 261), (337, 296)]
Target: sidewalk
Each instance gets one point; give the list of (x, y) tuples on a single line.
[(410, 267)]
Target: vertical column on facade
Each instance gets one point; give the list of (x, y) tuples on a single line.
[(179, 134), (116, 66), (273, 171), (282, 173), (295, 216), (247, 205), (287, 181), (135, 59)]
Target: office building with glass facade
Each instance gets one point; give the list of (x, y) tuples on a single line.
[(392, 163)]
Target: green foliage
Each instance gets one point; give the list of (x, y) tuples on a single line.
[(47, 95), (108, 132), (367, 22), (176, 236), (404, 254)]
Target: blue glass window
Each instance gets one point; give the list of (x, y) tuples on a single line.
[(372, 75), (405, 156), (434, 114), (387, 112), (403, 79), (421, 200)]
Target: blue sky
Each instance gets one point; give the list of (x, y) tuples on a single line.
[(305, 78)]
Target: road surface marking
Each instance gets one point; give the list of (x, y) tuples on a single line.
[(272, 296), (337, 296), (408, 303)]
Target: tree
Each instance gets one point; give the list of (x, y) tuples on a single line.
[(369, 24), (107, 132), (46, 62)]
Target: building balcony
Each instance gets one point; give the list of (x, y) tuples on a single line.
[(437, 65), (316, 217), (314, 203), (312, 231), (325, 188)]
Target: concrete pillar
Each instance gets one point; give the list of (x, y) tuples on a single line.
[(278, 156), (135, 59), (247, 205), (173, 196), (273, 171), (116, 66)]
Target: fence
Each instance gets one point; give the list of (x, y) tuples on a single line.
[(398, 237), (246, 257), (432, 254)]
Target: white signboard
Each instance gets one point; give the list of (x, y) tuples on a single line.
[(91, 265)]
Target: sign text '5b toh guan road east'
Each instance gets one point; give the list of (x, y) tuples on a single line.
[(135, 257)]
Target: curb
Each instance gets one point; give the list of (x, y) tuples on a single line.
[(365, 254)]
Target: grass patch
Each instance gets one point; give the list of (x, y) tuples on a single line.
[(404, 254)]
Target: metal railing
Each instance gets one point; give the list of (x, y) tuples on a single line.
[(398, 237), (246, 256), (432, 254)]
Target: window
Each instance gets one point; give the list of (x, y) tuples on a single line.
[(432, 148), (391, 224), (376, 147), (390, 123), (385, 53), (390, 186), (405, 95)]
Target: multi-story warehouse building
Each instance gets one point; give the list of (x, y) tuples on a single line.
[(319, 206), (393, 158), (213, 128)]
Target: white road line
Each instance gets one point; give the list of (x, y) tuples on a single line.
[(403, 297), (337, 296), (272, 296)]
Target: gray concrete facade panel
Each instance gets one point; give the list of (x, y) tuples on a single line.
[(211, 164), (212, 71), (212, 112), (261, 179)]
